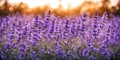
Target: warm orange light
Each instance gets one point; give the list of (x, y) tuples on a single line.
[(96, 1), (71, 3), (30, 3), (52, 3), (56, 3), (114, 2)]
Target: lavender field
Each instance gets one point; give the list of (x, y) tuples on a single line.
[(54, 38)]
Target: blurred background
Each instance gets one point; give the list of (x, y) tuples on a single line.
[(59, 7)]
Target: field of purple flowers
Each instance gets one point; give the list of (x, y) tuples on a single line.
[(54, 38)]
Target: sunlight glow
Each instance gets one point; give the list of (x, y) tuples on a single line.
[(114, 2), (53, 3), (71, 3), (66, 4)]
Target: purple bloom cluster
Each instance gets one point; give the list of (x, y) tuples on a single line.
[(54, 38)]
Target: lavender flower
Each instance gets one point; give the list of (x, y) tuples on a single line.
[(92, 58), (96, 26), (73, 29), (51, 37)]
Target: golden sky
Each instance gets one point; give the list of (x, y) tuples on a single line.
[(55, 3), (61, 7)]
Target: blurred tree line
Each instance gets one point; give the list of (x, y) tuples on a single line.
[(6, 8)]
